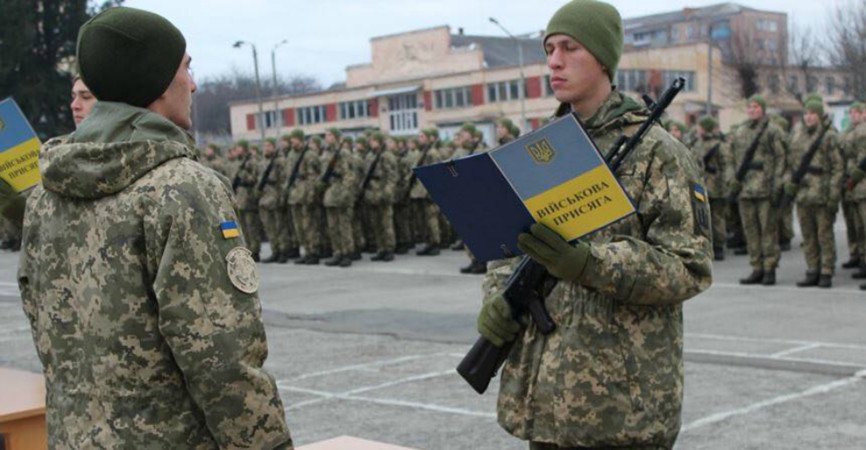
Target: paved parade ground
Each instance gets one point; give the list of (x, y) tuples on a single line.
[(370, 352)]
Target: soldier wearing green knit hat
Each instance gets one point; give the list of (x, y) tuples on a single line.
[(664, 250)]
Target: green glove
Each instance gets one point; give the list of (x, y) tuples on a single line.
[(11, 204), (495, 321), (561, 259), (790, 189), (736, 187)]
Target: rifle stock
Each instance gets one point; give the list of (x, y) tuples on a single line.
[(746, 165), (523, 290)]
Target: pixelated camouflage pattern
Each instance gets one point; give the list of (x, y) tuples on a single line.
[(272, 192), (819, 240), (770, 155), (818, 188), (611, 374), (761, 229), (417, 190), (144, 340), (341, 187), (856, 149), (247, 193), (383, 179), (218, 164), (303, 191), (719, 169)]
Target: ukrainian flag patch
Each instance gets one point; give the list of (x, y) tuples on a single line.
[(700, 193), (230, 229)]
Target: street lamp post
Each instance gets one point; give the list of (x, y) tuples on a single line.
[(274, 73), (522, 75), (238, 44)]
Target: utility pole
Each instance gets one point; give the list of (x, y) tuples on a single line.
[(238, 44), (275, 93), (522, 75)]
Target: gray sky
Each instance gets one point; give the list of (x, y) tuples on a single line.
[(327, 35)]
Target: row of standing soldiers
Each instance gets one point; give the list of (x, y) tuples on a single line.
[(756, 175), (337, 197)]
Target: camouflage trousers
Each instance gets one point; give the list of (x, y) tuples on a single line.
[(403, 224), (250, 227), (340, 231), (325, 246), (288, 230), (786, 222), (418, 223), (274, 223), (305, 223), (853, 228), (446, 231), (383, 227), (861, 208), (547, 446), (819, 242), (358, 229), (719, 211), (429, 213), (761, 228), (734, 222)]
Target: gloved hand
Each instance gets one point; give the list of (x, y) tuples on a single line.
[(735, 187), (561, 259), (11, 204), (495, 321), (790, 189)]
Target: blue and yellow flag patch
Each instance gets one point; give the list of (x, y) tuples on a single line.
[(700, 193), (230, 229)]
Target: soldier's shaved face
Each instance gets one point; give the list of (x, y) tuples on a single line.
[(576, 77), (755, 111)]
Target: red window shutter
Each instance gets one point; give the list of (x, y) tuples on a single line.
[(251, 122), (331, 112), (428, 100), (289, 117), (534, 123), (533, 87), (477, 94), (374, 107)]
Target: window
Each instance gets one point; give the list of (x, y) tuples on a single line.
[(504, 91), (767, 25), (773, 83), (793, 83), (830, 85), (271, 119), (459, 97), (668, 77), (311, 114), (354, 110)]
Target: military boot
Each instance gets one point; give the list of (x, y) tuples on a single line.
[(428, 250), (825, 281), (335, 261), (345, 261), (810, 280), (313, 260), (861, 273), (283, 257), (302, 260), (386, 257), (756, 277), (458, 245), (401, 249), (785, 246), (271, 259), (6, 245), (355, 256), (852, 263), (256, 257), (719, 253), (293, 253), (769, 278)]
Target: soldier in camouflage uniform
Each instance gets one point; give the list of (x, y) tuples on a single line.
[(611, 374), (288, 157), (246, 193), (320, 221), (817, 195), (150, 331), (402, 212), (677, 130), (786, 211), (762, 183), (302, 196), (425, 210), (339, 180), (378, 198), (714, 156), (855, 185), (211, 158), (853, 221), (270, 185)]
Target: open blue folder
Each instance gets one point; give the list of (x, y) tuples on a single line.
[(554, 175)]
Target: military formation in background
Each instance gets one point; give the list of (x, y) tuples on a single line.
[(763, 167), (328, 200)]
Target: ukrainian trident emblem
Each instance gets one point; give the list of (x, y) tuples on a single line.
[(541, 151)]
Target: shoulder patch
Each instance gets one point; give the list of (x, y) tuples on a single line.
[(242, 270)]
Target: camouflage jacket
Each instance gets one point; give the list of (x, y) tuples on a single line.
[(246, 177), (857, 149), (383, 178), (768, 168), (611, 374), (432, 156), (718, 168), (218, 164), (404, 174), (145, 318), (339, 190), (271, 192), (303, 192), (823, 179)]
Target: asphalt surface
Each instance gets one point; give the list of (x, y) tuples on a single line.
[(370, 352)]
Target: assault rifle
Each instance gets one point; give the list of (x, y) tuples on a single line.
[(412, 178), (527, 286), (295, 169), (267, 173), (783, 198), (710, 154), (329, 170), (369, 176), (236, 182), (746, 165)]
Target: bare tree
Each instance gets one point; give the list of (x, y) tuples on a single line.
[(804, 58), (847, 43), (744, 58)]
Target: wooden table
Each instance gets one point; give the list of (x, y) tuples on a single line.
[(350, 443), (22, 410)]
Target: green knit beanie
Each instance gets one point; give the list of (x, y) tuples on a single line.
[(431, 133), (243, 144), (596, 25), (813, 96), (759, 100), (468, 127), (336, 132), (708, 123), (815, 106), (297, 133), (128, 55)]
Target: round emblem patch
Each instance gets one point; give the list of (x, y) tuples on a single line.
[(242, 270)]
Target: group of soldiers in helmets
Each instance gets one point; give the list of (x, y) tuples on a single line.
[(329, 199), (764, 166)]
